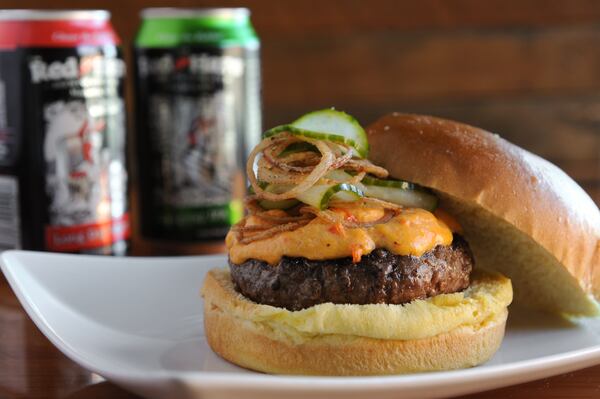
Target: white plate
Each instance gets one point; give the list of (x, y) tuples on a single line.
[(138, 323)]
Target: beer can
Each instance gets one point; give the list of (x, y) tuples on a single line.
[(63, 179), (198, 116)]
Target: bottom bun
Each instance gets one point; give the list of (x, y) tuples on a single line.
[(240, 331)]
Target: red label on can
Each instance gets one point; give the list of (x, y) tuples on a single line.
[(9, 34), (87, 236), (67, 33)]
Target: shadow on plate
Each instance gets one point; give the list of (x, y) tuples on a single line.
[(520, 318)]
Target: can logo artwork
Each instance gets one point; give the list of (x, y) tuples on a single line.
[(80, 168), (198, 133)]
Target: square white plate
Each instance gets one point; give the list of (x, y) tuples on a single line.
[(138, 323)]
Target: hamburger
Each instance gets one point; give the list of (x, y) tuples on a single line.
[(390, 251)]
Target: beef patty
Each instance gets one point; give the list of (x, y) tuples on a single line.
[(379, 277)]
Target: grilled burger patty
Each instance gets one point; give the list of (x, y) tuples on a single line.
[(379, 277)]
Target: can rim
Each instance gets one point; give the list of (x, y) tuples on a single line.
[(173, 12), (60, 14)]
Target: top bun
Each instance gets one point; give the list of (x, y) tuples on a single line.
[(522, 215)]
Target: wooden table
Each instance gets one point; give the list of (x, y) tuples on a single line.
[(31, 367)]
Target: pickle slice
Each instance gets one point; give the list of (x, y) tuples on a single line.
[(330, 125), (282, 204), (319, 195), (297, 147), (373, 181), (400, 192)]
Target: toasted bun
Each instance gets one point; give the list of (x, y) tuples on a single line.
[(522, 215), (254, 336)]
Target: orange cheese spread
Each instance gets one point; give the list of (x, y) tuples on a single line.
[(412, 231)]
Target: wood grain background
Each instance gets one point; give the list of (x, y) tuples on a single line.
[(528, 70)]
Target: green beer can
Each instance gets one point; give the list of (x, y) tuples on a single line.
[(198, 115)]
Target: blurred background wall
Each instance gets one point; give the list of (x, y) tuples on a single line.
[(528, 70)]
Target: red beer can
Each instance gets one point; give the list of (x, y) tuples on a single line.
[(63, 178)]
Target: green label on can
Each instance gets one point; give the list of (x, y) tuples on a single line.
[(182, 223), (169, 32)]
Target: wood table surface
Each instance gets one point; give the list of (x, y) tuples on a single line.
[(31, 367)]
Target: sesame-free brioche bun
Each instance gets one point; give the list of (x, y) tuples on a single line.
[(449, 331), (521, 215)]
